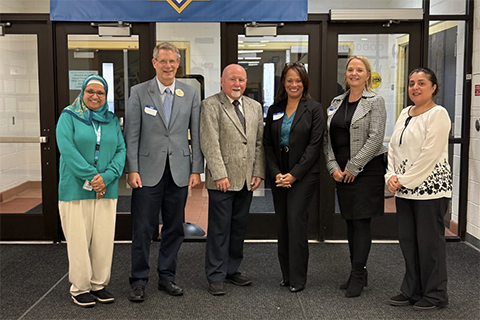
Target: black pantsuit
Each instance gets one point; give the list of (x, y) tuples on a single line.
[(421, 232), (227, 225), (302, 162), (292, 219), (146, 205)]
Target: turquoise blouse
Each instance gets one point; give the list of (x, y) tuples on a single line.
[(285, 131), (76, 141)]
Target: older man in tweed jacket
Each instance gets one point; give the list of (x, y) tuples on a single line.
[(231, 133)]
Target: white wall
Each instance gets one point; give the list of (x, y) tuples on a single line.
[(25, 6), (323, 6), (447, 6), (473, 207)]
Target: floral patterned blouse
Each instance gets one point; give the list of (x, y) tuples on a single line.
[(418, 155)]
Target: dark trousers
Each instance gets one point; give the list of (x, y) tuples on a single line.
[(146, 205), (359, 241), (291, 207), (227, 225), (421, 232)]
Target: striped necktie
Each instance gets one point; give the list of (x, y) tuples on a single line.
[(167, 105), (239, 113)]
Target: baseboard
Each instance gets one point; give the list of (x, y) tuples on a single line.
[(472, 240), (21, 188)]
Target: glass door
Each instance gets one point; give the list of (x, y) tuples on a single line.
[(264, 57), (28, 209), (123, 62), (391, 52)]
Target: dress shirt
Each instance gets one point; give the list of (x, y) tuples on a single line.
[(162, 88)]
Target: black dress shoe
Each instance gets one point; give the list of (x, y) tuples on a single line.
[(170, 287), (284, 283), (137, 294), (294, 289), (239, 279), (401, 300), (216, 288)]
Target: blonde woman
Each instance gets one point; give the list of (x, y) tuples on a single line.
[(354, 156)]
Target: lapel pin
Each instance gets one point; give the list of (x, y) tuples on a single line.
[(179, 92), (151, 91)]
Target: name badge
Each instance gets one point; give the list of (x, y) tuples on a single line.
[(87, 186), (277, 116), (151, 111)]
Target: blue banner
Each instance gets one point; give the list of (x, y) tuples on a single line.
[(179, 10)]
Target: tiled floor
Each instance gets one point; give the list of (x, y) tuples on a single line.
[(196, 210), (22, 202)]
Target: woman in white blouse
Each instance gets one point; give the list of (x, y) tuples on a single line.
[(419, 175)]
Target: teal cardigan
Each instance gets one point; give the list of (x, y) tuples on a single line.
[(76, 142)]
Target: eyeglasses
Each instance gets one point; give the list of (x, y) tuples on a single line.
[(98, 93), (165, 62), (407, 121)]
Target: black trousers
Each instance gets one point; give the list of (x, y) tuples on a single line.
[(227, 225), (146, 205), (291, 207), (421, 232)]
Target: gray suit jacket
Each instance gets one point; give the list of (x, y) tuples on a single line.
[(367, 131), (149, 141), (229, 151)]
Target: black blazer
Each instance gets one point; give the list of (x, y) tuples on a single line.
[(306, 138)]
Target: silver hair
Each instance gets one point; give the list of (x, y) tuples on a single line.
[(165, 46)]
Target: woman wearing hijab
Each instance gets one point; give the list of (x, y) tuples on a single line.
[(92, 158)]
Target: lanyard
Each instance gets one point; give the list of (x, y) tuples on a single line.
[(98, 132)]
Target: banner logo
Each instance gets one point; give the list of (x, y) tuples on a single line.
[(179, 5)]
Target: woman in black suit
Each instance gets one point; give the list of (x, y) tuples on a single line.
[(292, 140)]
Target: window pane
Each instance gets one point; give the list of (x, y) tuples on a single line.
[(446, 47), (264, 59), (20, 165), (388, 55), (451, 218), (448, 6)]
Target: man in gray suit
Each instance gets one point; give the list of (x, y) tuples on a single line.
[(231, 133), (161, 166)]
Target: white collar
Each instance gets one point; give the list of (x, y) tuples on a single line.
[(162, 87)]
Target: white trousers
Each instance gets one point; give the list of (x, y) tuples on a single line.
[(89, 228)]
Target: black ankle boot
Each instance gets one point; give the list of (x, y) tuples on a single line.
[(346, 284), (358, 279)]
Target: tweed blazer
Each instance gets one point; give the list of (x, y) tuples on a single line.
[(150, 141), (229, 151), (367, 131)]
